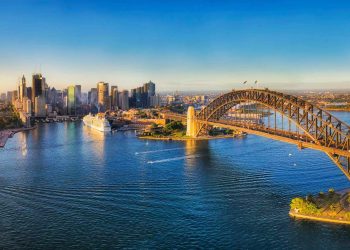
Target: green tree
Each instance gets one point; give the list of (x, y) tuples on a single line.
[(174, 125), (305, 207)]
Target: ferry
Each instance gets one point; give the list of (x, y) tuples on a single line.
[(98, 122)]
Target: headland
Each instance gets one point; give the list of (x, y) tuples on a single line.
[(329, 207)]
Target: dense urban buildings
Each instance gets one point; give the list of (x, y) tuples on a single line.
[(40, 100), (145, 96)]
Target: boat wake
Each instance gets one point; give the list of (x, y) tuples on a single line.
[(174, 159), (155, 151)]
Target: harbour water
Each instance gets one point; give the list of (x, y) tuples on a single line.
[(66, 186)]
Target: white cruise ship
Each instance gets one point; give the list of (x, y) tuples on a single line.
[(98, 122)]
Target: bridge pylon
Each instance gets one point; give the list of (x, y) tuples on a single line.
[(192, 126)]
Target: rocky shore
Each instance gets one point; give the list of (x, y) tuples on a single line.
[(8, 133)]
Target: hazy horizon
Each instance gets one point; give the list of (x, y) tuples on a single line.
[(182, 45)]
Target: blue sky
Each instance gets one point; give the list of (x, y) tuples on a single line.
[(180, 45)]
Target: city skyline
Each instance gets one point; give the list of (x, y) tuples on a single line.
[(181, 46)]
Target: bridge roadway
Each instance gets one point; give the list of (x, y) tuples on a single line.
[(302, 141)]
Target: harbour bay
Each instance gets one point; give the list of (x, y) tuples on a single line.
[(65, 185)]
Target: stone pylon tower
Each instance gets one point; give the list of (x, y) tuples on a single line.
[(191, 122)]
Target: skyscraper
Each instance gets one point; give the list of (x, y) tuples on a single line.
[(154, 101), (150, 91), (37, 87), (3, 97), (78, 100), (103, 95), (14, 96), (124, 97), (93, 102), (30, 93), (39, 107), (132, 100), (71, 98), (141, 96), (52, 97), (22, 89), (9, 96), (114, 94), (94, 97), (151, 88)]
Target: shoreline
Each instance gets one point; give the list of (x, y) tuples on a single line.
[(184, 138), (318, 218), (9, 133), (339, 214)]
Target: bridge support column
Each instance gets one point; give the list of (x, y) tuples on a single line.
[(192, 126)]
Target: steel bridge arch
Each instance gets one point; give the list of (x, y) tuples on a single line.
[(321, 127)]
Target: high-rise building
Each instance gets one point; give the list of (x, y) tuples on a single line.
[(3, 97), (154, 101), (78, 100), (150, 88), (93, 97), (27, 105), (38, 86), (64, 101), (14, 96), (124, 100), (93, 102), (60, 102), (132, 100), (29, 93), (150, 92), (9, 96), (89, 97), (103, 95), (71, 101), (39, 109), (115, 97), (84, 98), (22, 89), (52, 98), (141, 96)]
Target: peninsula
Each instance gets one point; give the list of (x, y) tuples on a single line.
[(331, 207), (176, 130)]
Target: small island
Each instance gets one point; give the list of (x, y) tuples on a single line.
[(332, 207)]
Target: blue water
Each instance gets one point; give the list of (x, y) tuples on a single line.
[(65, 186)]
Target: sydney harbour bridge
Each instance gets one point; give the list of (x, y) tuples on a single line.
[(277, 116)]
